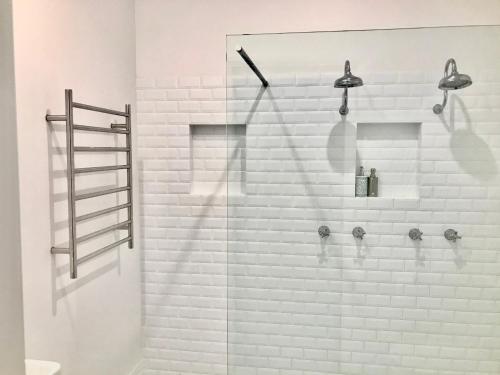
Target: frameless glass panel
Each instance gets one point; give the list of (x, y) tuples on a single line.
[(407, 281)]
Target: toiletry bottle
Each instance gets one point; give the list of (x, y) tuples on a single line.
[(373, 184), (361, 184)]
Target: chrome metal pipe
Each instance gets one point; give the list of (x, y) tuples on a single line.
[(70, 164), (99, 129), (50, 118), (101, 192), (105, 211), (70, 143), (101, 149), (252, 66), (118, 126), (99, 109), (344, 108), (59, 250), (102, 250), (130, 193), (438, 108), (102, 231), (100, 169)]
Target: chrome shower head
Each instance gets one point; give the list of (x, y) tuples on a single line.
[(454, 80), (451, 81), (346, 81)]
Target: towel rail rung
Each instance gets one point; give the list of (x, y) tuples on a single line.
[(103, 250), (102, 231), (93, 108), (101, 149), (100, 193), (101, 169), (105, 211), (99, 129)]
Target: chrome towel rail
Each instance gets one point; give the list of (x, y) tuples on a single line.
[(71, 149)]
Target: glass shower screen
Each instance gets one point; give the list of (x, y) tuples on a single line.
[(390, 270)]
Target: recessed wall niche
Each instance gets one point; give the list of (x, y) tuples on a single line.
[(210, 147), (393, 149)]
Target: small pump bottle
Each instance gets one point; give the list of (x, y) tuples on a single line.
[(361, 184), (373, 184)]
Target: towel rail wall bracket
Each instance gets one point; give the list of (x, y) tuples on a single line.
[(71, 171)]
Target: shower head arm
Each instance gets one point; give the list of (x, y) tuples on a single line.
[(438, 108), (347, 67), (452, 62), (344, 110)]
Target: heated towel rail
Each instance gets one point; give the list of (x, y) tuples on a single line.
[(73, 196)]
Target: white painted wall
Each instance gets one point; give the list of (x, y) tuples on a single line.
[(11, 311), (91, 325), (187, 37)]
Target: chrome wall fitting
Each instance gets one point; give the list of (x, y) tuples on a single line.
[(451, 235), (451, 81), (324, 231), (348, 80), (358, 232), (415, 234)]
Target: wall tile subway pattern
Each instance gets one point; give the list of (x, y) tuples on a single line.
[(297, 305)]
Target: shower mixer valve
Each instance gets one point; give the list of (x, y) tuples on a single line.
[(451, 235), (358, 232), (415, 234), (324, 231)]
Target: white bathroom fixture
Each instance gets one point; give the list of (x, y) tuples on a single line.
[(35, 367)]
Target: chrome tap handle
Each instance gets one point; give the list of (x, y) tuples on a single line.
[(358, 232), (324, 231), (451, 235), (415, 234)]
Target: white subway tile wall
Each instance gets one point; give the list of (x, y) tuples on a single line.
[(294, 304)]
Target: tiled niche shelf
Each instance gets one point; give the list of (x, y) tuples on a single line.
[(393, 149), (210, 148)]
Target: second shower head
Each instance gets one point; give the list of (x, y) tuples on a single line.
[(454, 80), (451, 81)]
